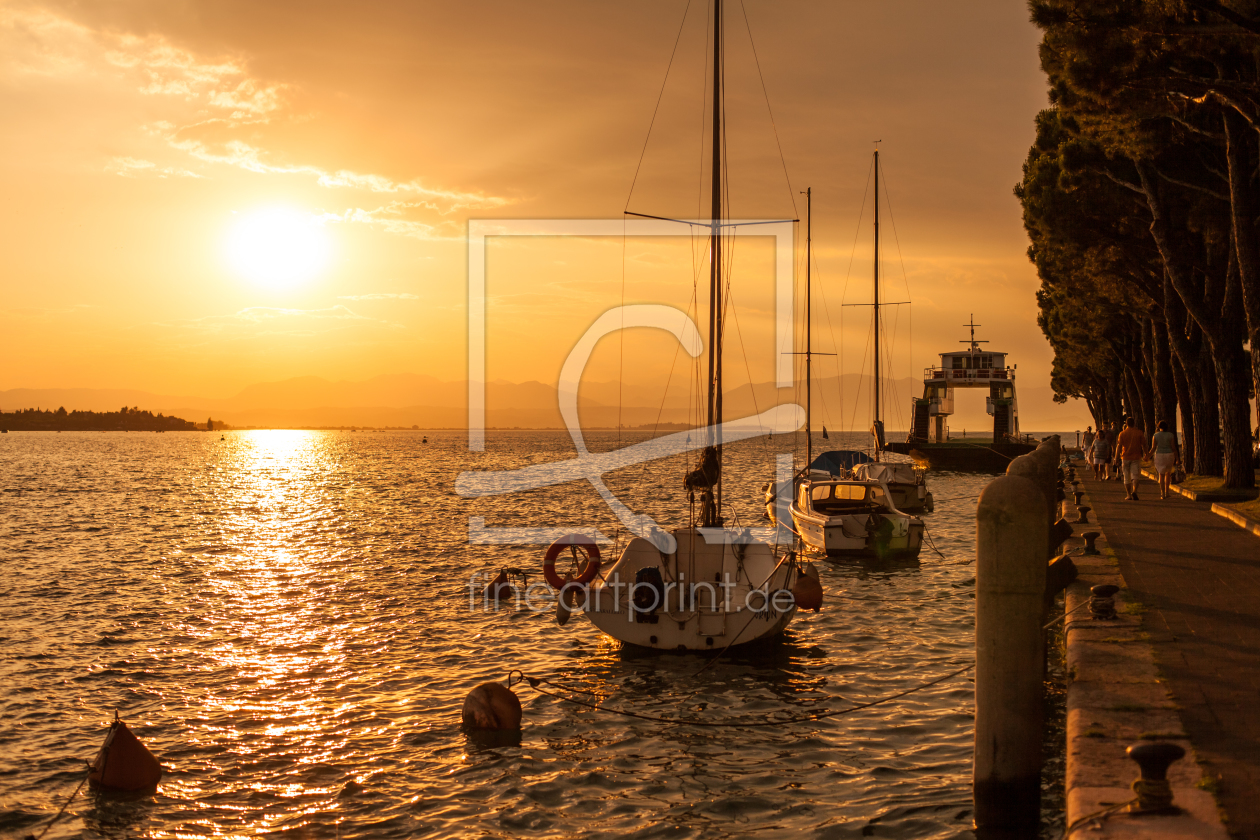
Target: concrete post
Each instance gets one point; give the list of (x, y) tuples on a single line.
[(1011, 535), (1040, 467)]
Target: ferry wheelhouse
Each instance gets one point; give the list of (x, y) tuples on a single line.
[(974, 367)]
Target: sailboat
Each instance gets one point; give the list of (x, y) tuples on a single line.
[(717, 587), (906, 482), (853, 510), (828, 465)]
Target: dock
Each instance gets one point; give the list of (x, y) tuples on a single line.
[(1185, 653)]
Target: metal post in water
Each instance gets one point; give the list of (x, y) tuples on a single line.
[(1011, 535)]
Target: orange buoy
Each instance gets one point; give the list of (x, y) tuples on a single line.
[(499, 587), (124, 763), (808, 593), (492, 706)]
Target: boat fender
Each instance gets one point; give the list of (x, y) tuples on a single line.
[(124, 763), (492, 706), (589, 570), (568, 599), (807, 592), (929, 503), (808, 568), (648, 594)]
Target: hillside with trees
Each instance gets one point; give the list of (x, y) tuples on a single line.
[(125, 419), (1140, 199)]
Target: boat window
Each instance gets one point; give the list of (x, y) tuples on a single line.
[(852, 492), (958, 362), (878, 496)]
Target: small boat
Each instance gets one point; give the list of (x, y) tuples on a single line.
[(852, 518), (836, 463)]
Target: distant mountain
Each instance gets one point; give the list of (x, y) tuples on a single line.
[(407, 399)]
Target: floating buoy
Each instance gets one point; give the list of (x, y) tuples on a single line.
[(492, 706), (124, 763), (497, 588)]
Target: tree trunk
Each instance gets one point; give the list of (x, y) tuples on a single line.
[(1185, 406), (1214, 307), (1146, 396), (1233, 376), (1159, 361), (1240, 148), (1207, 420), (1186, 342), (1133, 405)]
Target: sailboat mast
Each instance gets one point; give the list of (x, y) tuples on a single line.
[(809, 382), (877, 368), (715, 260)]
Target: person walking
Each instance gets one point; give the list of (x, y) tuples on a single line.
[(1166, 455), (1101, 454), (1130, 447), (1087, 441)]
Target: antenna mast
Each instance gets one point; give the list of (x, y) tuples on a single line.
[(715, 267), (877, 428)]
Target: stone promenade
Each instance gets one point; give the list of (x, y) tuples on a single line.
[(1198, 576)]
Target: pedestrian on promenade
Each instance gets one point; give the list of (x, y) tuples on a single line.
[(1101, 454), (1166, 455), (1087, 440), (1130, 447)]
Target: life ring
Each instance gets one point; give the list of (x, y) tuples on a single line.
[(589, 571)]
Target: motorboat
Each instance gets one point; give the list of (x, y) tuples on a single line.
[(854, 518)]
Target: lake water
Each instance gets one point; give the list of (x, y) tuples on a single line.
[(284, 618)]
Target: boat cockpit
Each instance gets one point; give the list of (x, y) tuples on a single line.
[(840, 498)]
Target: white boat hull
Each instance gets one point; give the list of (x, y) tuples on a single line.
[(713, 593), (865, 530)]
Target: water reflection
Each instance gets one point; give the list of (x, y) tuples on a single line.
[(287, 612)]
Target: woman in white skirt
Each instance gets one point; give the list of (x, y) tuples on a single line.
[(1166, 454)]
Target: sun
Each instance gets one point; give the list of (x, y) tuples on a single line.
[(278, 247)]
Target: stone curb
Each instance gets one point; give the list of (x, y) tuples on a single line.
[(1115, 699), (1241, 520)]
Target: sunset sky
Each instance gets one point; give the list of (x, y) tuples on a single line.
[(205, 195)]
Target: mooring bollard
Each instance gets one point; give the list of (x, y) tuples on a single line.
[(1082, 514), (1012, 531), (1102, 601), (1089, 537), (1078, 495), (1154, 793)]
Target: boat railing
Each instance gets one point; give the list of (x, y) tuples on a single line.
[(952, 374)]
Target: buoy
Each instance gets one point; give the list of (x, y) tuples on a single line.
[(124, 763), (807, 591), (492, 706), (497, 588)]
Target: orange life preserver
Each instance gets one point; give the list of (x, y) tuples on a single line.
[(589, 571)]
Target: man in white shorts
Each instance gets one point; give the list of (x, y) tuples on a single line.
[(1130, 447)]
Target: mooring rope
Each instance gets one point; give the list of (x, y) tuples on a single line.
[(82, 782), (536, 682), (1097, 815)]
